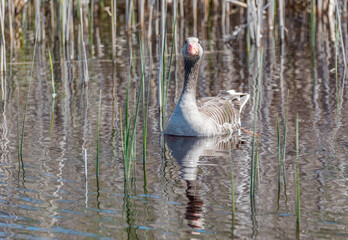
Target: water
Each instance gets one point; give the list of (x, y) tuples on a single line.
[(185, 192)]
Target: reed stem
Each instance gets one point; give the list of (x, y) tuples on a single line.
[(298, 210), (98, 130), (52, 75), (27, 100)]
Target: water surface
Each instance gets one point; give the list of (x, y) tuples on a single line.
[(183, 190)]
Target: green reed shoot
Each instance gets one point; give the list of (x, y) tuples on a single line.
[(52, 76), (145, 100), (122, 135), (232, 190), (18, 132), (126, 125), (252, 172), (134, 149), (257, 161), (279, 147), (136, 116), (298, 210), (285, 126), (232, 178), (98, 130), (128, 132), (52, 115), (284, 143)]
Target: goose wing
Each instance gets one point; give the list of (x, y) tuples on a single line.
[(224, 108)]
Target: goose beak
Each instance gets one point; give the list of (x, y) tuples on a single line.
[(192, 49)]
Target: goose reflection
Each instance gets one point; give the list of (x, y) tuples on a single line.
[(187, 151)]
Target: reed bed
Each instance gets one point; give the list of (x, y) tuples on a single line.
[(63, 15)]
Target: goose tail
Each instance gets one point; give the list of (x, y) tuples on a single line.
[(243, 98)]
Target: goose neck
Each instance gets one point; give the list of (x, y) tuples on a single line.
[(191, 76)]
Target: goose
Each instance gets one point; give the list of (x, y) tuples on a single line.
[(208, 116)]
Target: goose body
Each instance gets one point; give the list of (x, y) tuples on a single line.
[(208, 116)]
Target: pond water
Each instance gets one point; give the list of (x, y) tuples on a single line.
[(186, 187)]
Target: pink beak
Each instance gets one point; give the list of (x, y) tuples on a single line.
[(192, 49)]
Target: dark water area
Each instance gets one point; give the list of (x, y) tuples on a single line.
[(183, 190)]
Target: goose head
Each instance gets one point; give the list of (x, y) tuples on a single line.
[(192, 50)]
